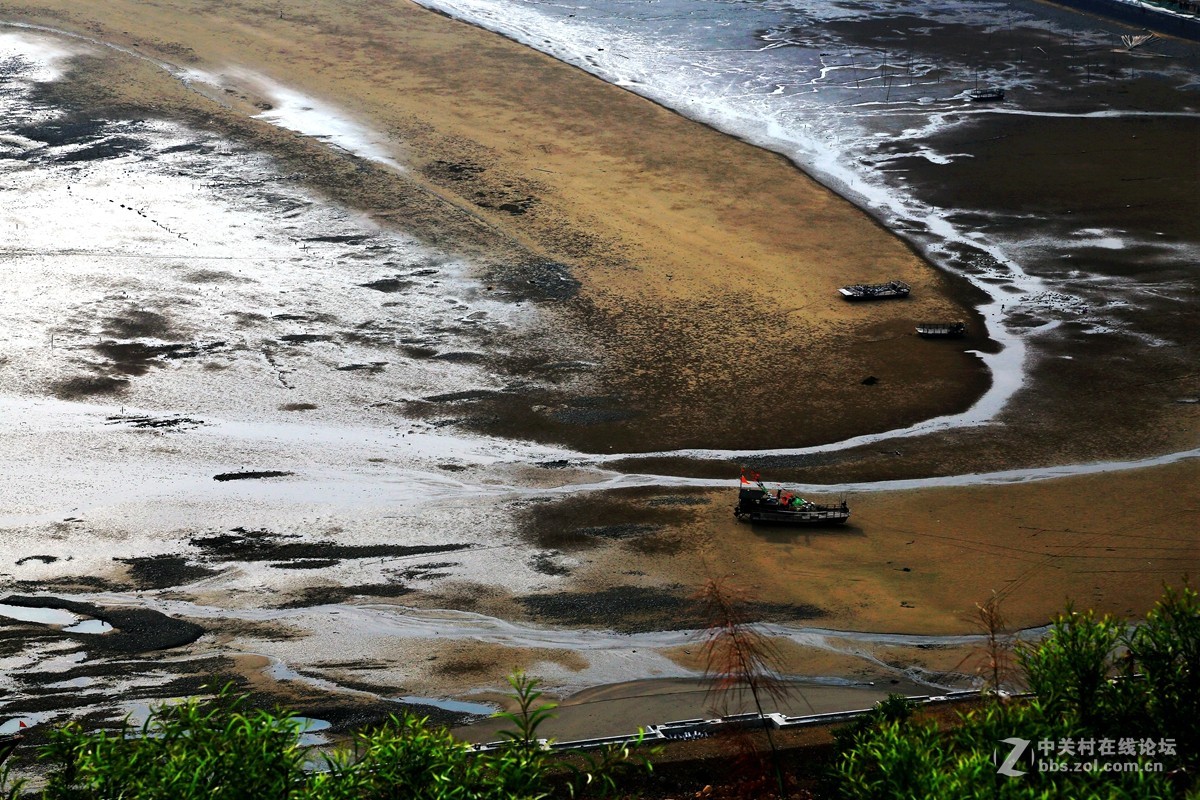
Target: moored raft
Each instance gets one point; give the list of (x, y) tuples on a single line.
[(990, 94), (875, 291)]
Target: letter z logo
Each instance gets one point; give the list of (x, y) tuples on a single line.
[(1018, 749)]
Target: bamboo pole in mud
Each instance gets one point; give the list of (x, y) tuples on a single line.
[(887, 83)]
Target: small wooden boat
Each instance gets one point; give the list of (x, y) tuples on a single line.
[(942, 330), (875, 291)]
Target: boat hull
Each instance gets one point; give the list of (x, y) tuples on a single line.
[(807, 518), (758, 505), (942, 330), (875, 291), (986, 95)]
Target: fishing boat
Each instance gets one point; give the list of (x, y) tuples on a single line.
[(942, 330), (875, 291), (757, 504), (988, 94)]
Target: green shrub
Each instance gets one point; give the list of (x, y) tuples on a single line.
[(1094, 679), (1069, 670), (1165, 651), (216, 749), (220, 749), (913, 759)]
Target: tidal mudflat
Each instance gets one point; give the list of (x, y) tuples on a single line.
[(367, 390)]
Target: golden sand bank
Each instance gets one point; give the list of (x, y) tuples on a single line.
[(708, 267)]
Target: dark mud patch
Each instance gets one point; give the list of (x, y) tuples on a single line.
[(331, 595), (256, 629), (388, 285), (418, 351), (457, 397), (640, 609), (661, 544), (136, 358), (628, 530), (591, 416), (312, 563), (83, 386), (453, 170), (138, 323), (246, 319), (550, 280), (372, 368), (288, 317), (465, 596), (16, 637), (461, 357), (344, 238), (72, 583), (574, 523), (547, 564), (246, 476), (242, 544), (164, 571), (372, 332), (428, 571), (113, 147), (305, 338), (64, 132), (136, 630), (473, 421), (190, 147), (155, 423), (42, 559), (554, 463)]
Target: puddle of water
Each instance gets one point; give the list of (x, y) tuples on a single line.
[(18, 724), (56, 617), (457, 706), (310, 731), (97, 626), (42, 616)]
